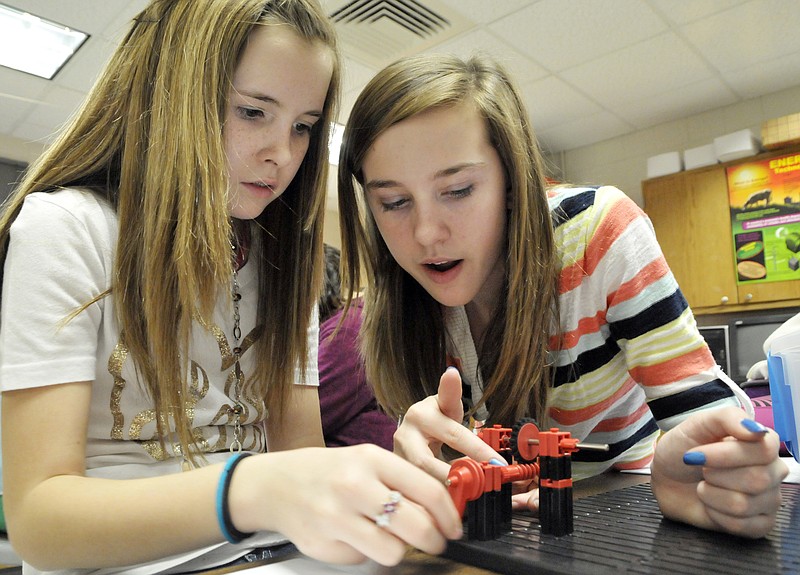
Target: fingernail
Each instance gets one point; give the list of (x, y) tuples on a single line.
[(495, 461), (694, 458), (754, 426), (449, 367)]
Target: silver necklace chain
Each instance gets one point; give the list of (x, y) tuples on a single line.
[(238, 409)]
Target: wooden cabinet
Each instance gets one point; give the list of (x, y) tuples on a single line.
[(691, 215)]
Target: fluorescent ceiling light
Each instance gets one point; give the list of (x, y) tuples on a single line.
[(30, 44)]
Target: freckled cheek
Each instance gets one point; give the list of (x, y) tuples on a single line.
[(239, 144)]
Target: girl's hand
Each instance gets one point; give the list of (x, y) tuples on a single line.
[(719, 470), (435, 421), (327, 502)]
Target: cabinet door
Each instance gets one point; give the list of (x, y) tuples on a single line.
[(690, 214), (769, 292)]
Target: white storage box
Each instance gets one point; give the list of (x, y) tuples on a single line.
[(737, 145), (664, 164), (699, 157)]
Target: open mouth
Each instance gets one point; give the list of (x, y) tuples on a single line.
[(443, 266)]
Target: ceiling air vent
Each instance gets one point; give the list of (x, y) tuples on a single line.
[(377, 32)]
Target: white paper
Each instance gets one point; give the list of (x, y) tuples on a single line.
[(794, 470), (308, 566)]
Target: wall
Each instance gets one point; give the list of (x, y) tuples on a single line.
[(623, 161), (19, 150)]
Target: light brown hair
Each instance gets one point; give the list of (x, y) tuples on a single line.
[(404, 336), (149, 139)]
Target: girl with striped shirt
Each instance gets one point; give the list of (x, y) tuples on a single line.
[(552, 303)]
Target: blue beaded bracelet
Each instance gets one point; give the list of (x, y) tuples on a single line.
[(232, 535)]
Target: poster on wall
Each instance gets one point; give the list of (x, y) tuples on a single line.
[(765, 218)]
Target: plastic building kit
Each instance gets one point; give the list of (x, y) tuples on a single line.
[(483, 489)]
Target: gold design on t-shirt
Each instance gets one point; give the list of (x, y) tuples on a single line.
[(115, 363), (198, 389)]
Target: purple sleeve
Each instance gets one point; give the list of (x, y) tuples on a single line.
[(350, 414)]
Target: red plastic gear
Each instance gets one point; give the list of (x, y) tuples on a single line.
[(524, 430)]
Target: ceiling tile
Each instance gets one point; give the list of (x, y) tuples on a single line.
[(90, 16), (747, 34), (58, 104), (685, 12), (481, 41), (671, 105), (21, 85), (486, 11), (115, 30), (552, 102), (28, 132), (85, 66), (14, 110), (765, 77), (559, 37), (582, 132), (651, 67)]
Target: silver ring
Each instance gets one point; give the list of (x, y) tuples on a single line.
[(382, 520)]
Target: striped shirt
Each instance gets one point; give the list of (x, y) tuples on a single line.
[(629, 360)]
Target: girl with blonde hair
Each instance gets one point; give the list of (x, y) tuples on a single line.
[(162, 262), (554, 303)]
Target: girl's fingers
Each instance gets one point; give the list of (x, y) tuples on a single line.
[(738, 503), (375, 506), (412, 446), (750, 479), (466, 442), (409, 522), (426, 428), (740, 513), (449, 393), (526, 501), (418, 487), (717, 425)]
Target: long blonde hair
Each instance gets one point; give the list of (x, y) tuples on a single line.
[(149, 139), (404, 336)]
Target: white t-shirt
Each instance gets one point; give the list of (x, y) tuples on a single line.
[(60, 256)]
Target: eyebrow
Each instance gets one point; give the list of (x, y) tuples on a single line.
[(270, 100), (378, 184)]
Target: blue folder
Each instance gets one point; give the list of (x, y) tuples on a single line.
[(783, 362)]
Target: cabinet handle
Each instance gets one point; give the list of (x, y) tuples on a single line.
[(724, 299), (748, 297)]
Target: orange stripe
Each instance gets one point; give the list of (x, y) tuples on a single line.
[(648, 275), (639, 464), (574, 416), (618, 423), (571, 276), (674, 369), (569, 339), (610, 228)]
